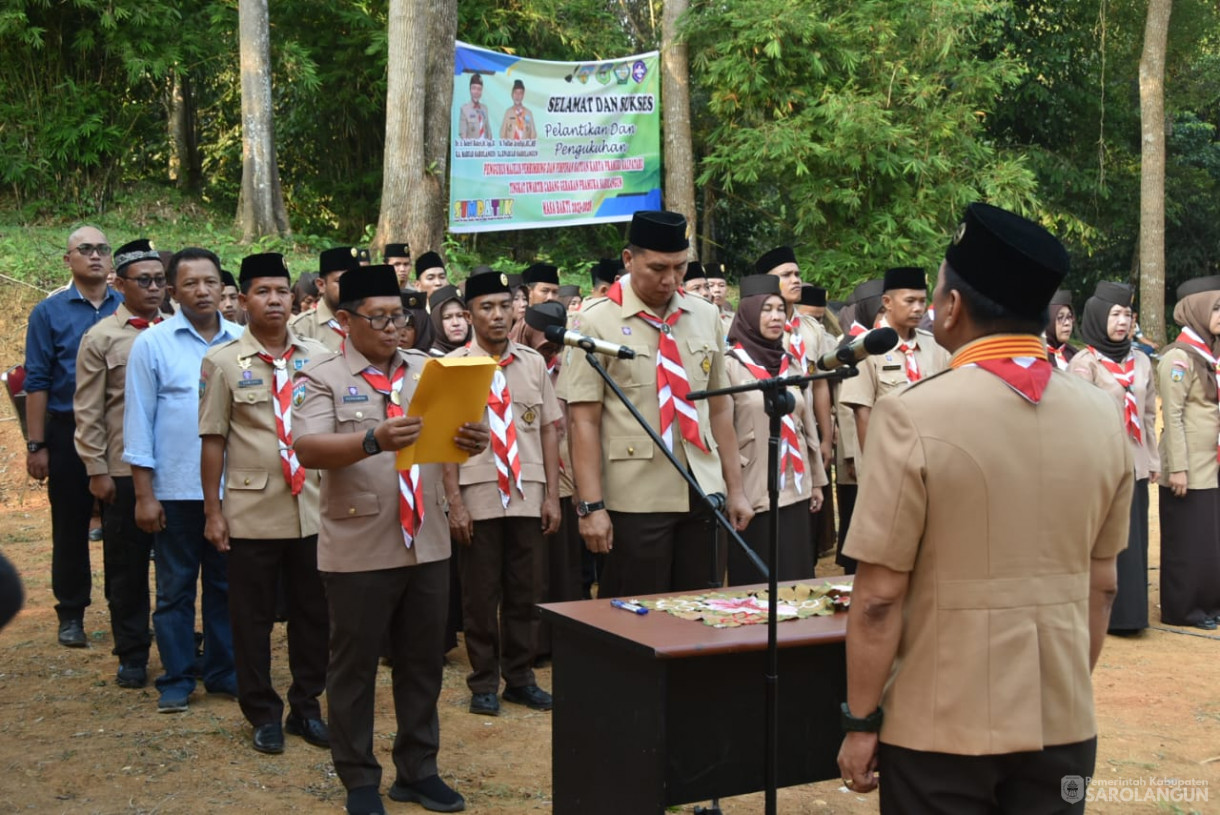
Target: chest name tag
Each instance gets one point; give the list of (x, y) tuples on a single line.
[(891, 367), (349, 399), (249, 383)]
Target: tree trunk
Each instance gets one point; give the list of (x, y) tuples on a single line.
[(184, 165), (403, 172), (678, 157), (260, 208), (1152, 170), (442, 32)]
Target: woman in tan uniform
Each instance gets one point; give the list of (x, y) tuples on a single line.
[(1109, 361), (1059, 330), (1190, 477), (757, 352), (450, 329)]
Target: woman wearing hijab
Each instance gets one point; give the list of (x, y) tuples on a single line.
[(417, 333), (1190, 475), (450, 328), (1059, 330), (1109, 361), (756, 351)]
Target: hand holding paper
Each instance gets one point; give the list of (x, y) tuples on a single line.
[(452, 392)]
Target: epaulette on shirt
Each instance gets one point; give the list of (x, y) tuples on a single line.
[(913, 385)]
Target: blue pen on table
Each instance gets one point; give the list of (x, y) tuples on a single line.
[(634, 608)]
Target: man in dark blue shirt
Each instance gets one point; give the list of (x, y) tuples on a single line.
[(55, 330)]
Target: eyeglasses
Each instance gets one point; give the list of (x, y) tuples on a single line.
[(382, 321), (87, 249), (147, 281), (1065, 318)]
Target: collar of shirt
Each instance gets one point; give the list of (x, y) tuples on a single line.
[(248, 346), (227, 330), (322, 312), (476, 350), (633, 305), (913, 342), (74, 293), (357, 362)]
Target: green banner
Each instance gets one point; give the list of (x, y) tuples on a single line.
[(542, 144)]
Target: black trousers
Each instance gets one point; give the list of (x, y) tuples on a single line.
[(796, 557), (125, 551), (563, 574), (71, 509), (255, 567), (410, 605), (846, 494), (1040, 782), (659, 551), (502, 577)]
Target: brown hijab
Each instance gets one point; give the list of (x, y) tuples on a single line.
[(744, 329), (1194, 311), (441, 343)]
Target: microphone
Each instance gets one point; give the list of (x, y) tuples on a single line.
[(561, 336), (877, 341)]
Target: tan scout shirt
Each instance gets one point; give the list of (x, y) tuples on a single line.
[(237, 402), (984, 507), (534, 405), (315, 324), (1192, 422), (1088, 365), (635, 477), (884, 373), (360, 528), (101, 373), (753, 427), (474, 122)]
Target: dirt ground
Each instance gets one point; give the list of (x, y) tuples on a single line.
[(71, 741)]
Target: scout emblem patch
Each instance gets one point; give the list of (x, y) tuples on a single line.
[(529, 416), (298, 394), (298, 364), (1179, 371), (706, 365), (626, 331), (203, 385)]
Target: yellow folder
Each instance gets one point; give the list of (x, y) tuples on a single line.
[(451, 392)]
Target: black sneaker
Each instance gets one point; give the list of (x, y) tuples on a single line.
[(364, 801), (485, 704), (532, 696), (132, 675), (431, 793), (72, 634)]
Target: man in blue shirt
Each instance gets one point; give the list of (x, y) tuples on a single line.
[(56, 327), (162, 447)]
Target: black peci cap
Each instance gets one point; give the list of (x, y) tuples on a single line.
[(426, 261), (905, 277), (812, 295), (370, 281), (486, 283), (773, 258), (265, 264), (755, 284), (134, 252), (541, 273), (658, 231), (338, 259), (396, 250), (694, 271)]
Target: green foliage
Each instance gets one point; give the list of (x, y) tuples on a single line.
[(853, 128)]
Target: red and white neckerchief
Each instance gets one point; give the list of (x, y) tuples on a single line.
[(552, 365), (856, 329), (410, 487), (140, 323), (789, 441), (482, 134), (1059, 356), (672, 384), (796, 340), (518, 123), (908, 350), (294, 473), (503, 433), (1124, 375), (333, 324), (1189, 337), (1018, 359)]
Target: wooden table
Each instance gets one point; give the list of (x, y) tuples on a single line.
[(653, 711)]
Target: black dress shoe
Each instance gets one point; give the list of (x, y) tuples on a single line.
[(485, 704), (72, 634), (532, 696), (431, 793), (132, 675), (364, 801), (1208, 624), (313, 731), (269, 738)]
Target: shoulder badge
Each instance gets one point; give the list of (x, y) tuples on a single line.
[(1177, 374), (298, 394)]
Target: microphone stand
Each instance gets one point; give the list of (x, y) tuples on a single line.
[(778, 402)]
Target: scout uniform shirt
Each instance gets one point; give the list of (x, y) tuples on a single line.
[(753, 431), (101, 374), (360, 528), (986, 512), (473, 121), (534, 406), (1191, 419), (236, 400), (319, 323), (635, 477), (1088, 365)]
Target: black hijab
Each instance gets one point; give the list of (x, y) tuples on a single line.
[(744, 329), (1096, 315)]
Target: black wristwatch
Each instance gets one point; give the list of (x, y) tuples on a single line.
[(35, 446), (584, 508), (852, 724), (370, 444)]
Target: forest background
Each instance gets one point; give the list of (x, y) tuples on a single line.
[(856, 130)]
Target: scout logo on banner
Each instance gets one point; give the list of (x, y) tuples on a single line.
[(538, 144)]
